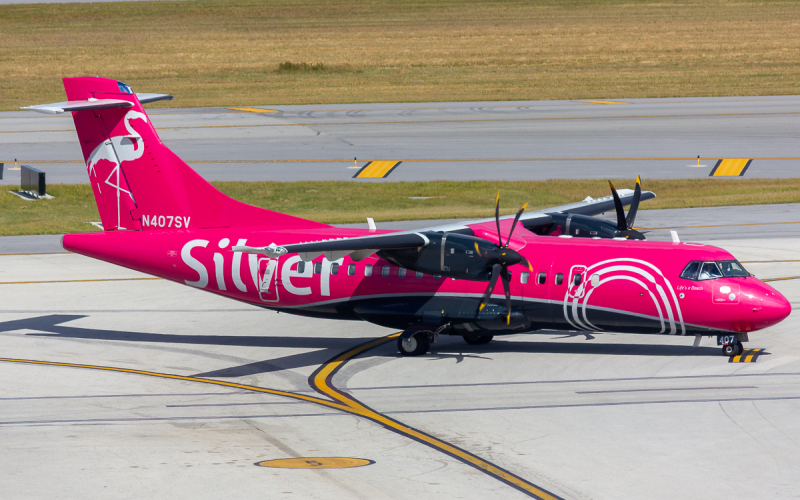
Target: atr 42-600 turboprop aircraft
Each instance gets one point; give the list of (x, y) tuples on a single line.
[(563, 269)]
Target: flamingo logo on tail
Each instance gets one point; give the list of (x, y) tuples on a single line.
[(116, 150)]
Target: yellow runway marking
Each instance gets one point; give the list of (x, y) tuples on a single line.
[(255, 110), (730, 167), (321, 380), (377, 169), (782, 279), (722, 225), (316, 463), (417, 122), (747, 356), (548, 105), (606, 102), (74, 281)]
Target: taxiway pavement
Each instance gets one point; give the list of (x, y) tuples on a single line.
[(583, 416), (525, 140)]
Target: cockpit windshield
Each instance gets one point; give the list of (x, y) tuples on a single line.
[(698, 270)]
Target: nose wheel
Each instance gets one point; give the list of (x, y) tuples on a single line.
[(733, 349), (415, 344)]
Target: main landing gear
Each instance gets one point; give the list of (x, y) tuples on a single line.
[(415, 343), (478, 339), (733, 349)]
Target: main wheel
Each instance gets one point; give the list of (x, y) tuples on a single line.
[(739, 349), (415, 345), (478, 339), (730, 349)]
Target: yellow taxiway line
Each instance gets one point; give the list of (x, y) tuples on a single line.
[(321, 380)]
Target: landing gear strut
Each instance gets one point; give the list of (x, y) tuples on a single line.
[(414, 344), (478, 339), (733, 349)]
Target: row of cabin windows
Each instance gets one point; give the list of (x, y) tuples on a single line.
[(541, 278)]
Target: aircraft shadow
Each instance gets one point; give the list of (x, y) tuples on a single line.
[(326, 348)]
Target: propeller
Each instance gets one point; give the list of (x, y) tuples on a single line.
[(625, 224), (503, 257)]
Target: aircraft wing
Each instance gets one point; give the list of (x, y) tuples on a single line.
[(358, 248), (361, 247), (531, 220)]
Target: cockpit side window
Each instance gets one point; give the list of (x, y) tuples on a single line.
[(691, 270)]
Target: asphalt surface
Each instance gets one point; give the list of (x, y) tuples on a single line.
[(530, 140), (705, 224), (108, 404)]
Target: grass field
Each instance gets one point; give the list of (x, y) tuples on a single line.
[(342, 202), (229, 52)]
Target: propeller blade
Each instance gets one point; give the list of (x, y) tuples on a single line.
[(637, 194), (514, 225), (497, 269), (507, 287), (621, 224), (497, 218)]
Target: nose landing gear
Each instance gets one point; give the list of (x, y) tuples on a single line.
[(415, 343), (732, 349)]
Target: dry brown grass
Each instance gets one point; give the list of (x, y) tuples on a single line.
[(343, 202), (228, 52)]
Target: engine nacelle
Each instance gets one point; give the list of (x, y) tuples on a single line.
[(584, 226), (452, 255)]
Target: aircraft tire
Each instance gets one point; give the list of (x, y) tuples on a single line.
[(416, 345), (739, 348), (730, 350), (478, 339)]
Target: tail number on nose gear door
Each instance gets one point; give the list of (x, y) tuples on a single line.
[(726, 339)]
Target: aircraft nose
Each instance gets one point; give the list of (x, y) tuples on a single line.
[(774, 308)]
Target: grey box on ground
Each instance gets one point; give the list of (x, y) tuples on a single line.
[(32, 180)]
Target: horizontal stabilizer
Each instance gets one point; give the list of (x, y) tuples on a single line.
[(145, 98), (58, 108)]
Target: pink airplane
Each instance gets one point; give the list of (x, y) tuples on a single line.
[(562, 270)]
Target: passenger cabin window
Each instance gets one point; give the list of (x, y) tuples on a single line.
[(335, 268), (559, 278), (351, 269), (699, 270), (318, 268), (368, 270), (401, 272), (419, 274), (576, 280), (385, 271), (523, 278), (541, 279)]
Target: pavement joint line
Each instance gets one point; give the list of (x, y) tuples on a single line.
[(321, 381), (75, 281), (418, 122), (664, 158)]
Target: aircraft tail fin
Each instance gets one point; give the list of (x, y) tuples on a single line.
[(139, 183)]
